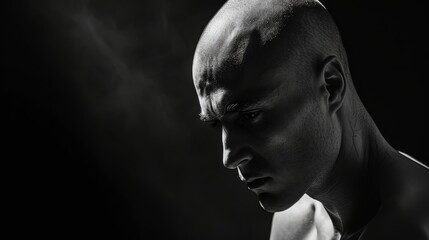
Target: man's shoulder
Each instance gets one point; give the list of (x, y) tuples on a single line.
[(403, 213), (396, 220), (306, 219), (405, 184), (293, 223)]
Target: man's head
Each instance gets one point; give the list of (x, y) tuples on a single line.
[(273, 75)]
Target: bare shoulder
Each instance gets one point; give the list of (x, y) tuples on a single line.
[(406, 184), (421, 165), (294, 223), (404, 210), (396, 221), (307, 219)]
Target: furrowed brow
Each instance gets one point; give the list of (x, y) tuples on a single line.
[(234, 107), (207, 117)]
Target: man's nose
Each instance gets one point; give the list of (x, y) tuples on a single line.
[(235, 151)]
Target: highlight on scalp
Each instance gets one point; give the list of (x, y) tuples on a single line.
[(301, 30)]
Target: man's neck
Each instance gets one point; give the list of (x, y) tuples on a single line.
[(350, 192)]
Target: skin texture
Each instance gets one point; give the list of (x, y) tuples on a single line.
[(306, 220), (273, 77)]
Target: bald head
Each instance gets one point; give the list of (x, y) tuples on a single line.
[(274, 75), (245, 33)]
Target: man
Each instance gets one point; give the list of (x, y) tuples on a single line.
[(273, 76)]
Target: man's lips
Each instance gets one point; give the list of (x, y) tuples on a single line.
[(257, 182), (252, 182)]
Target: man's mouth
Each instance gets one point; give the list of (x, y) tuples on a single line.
[(257, 183), (253, 182)]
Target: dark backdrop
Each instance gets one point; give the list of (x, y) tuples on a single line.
[(102, 138)]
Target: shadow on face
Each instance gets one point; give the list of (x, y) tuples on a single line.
[(270, 105)]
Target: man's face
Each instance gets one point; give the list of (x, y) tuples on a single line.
[(276, 129)]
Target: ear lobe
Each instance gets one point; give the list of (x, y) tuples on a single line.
[(334, 82)]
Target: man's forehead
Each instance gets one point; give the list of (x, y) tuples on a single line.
[(256, 70), (211, 70), (212, 75), (225, 51)]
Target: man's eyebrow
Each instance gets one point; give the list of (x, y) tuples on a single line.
[(208, 118), (234, 107)]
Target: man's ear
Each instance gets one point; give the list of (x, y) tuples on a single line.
[(334, 82)]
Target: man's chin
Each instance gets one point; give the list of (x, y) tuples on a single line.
[(270, 203), (273, 203)]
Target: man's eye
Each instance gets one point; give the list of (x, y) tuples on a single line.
[(249, 115)]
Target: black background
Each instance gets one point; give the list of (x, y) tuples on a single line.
[(102, 138)]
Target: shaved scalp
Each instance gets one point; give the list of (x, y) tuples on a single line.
[(299, 32)]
